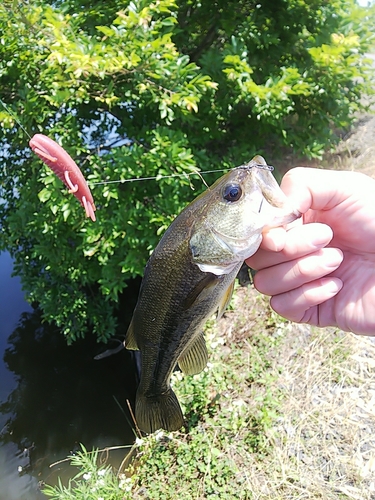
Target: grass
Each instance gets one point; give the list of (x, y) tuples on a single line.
[(283, 411)]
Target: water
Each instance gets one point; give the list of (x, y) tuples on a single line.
[(54, 397)]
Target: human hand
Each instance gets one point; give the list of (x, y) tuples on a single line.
[(322, 270)]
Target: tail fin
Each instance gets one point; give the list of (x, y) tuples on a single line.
[(158, 412)]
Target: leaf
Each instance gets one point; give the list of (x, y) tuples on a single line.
[(107, 31), (44, 195)]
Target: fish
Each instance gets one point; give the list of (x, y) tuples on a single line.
[(190, 275)]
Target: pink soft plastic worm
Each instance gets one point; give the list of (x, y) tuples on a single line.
[(66, 169)]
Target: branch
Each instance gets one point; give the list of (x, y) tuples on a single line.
[(205, 43)]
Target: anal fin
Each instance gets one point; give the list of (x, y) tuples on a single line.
[(194, 358)]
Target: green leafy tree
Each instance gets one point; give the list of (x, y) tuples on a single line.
[(153, 89)]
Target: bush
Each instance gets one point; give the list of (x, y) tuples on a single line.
[(153, 89)]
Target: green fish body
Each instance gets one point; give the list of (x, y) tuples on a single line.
[(190, 275)]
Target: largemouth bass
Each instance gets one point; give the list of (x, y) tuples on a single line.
[(190, 275)]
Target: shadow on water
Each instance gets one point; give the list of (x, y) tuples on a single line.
[(60, 397)]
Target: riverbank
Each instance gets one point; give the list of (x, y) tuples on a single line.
[(282, 410)]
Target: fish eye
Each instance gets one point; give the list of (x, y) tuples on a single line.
[(232, 192)]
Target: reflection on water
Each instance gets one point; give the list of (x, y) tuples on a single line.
[(12, 304), (53, 397)]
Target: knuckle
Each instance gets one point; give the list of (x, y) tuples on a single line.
[(303, 268)]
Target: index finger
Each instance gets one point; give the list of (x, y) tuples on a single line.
[(318, 189), (299, 241)]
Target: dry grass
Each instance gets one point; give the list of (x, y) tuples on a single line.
[(289, 409), (323, 443), (283, 411), (356, 151)]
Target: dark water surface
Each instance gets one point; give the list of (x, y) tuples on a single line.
[(54, 397)]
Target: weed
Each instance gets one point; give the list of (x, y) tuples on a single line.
[(282, 411), (92, 482)]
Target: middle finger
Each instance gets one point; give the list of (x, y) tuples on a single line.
[(295, 273)]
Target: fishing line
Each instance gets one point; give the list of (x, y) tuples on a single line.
[(159, 177), (15, 118), (136, 179), (187, 174)]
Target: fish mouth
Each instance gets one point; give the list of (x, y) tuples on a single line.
[(278, 216), (258, 162)]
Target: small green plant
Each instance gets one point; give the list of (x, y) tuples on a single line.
[(92, 482)]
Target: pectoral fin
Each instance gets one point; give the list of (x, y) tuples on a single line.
[(202, 290), (224, 303), (194, 358), (130, 341)]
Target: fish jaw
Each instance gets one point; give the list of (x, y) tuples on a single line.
[(230, 235), (236, 251), (242, 249)]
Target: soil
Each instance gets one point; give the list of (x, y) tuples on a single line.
[(327, 378), (356, 151)]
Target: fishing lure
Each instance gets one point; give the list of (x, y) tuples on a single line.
[(66, 169)]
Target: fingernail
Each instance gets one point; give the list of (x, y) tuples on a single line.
[(331, 285), (323, 236), (333, 256)]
